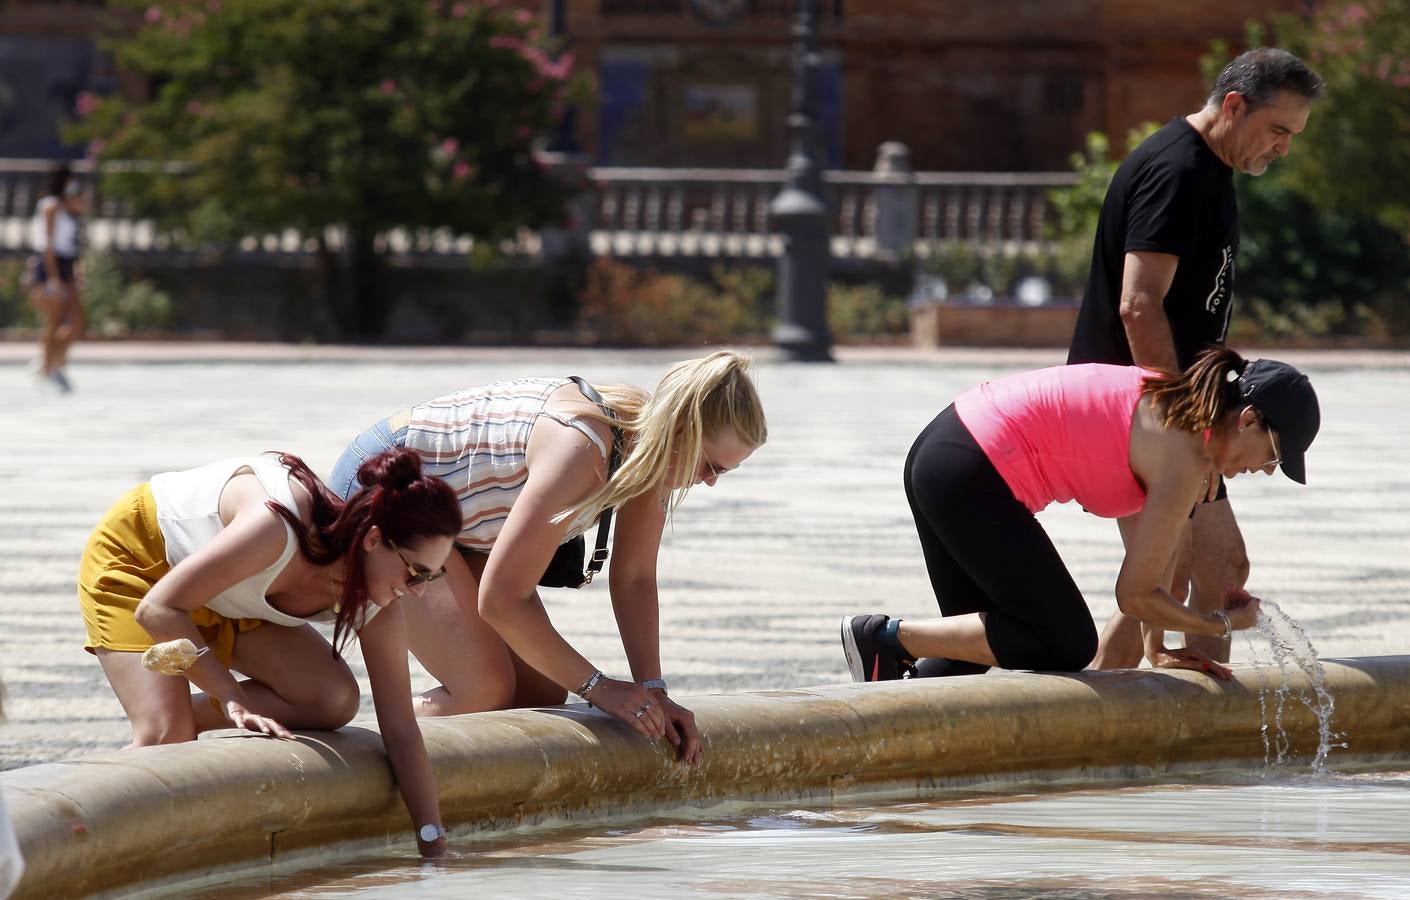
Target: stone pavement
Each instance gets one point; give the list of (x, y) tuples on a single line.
[(754, 572)]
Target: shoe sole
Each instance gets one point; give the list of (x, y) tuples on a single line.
[(852, 651)]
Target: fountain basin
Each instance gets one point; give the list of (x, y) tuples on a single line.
[(181, 815)]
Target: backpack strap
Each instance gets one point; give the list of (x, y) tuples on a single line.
[(604, 522)]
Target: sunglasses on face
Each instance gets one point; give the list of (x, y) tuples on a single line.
[(416, 574), (1277, 459)]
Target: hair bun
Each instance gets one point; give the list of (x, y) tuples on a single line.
[(393, 470)]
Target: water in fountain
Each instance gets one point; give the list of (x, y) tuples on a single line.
[(1288, 647)]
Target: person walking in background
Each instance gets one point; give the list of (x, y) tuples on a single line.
[(238, 558), (1161, 285), (535, 462), (53, 285), (1123, 441)]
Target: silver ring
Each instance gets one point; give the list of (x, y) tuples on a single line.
[(639, 713)]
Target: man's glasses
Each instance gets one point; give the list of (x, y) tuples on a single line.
[(416, 574)]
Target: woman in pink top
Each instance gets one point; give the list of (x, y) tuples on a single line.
[(1119, 440)]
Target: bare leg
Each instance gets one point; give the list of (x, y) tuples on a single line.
[(953, 637), (71, 327), (158, 706), (533, 688), (1218, 558), (1120, 644), (448, 637), (294, 679), (51, 309)]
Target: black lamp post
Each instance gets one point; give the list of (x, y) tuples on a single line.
[(800, 211)]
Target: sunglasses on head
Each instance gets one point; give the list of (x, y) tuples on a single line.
[(415, 574)]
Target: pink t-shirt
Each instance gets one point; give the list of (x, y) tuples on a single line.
[(1061, 434)]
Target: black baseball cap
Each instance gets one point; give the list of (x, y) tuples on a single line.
[(1285, 398)]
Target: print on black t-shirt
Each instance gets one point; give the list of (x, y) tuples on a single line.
[(1171, 195)]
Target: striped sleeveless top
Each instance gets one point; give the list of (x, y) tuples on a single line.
[(476, 439)]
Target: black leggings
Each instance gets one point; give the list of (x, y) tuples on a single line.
[(986, 553)]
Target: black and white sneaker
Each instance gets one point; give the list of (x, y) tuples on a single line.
[(867, 659)]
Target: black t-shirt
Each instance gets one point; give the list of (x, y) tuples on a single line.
[(1171, 195)]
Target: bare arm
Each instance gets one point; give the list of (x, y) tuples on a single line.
[(636, 604), (1173, 473), (636, 540), (561, 472), (564, 468), (1145, 280), (384, 651)]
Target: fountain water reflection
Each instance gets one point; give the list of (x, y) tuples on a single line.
[(1290, 837)]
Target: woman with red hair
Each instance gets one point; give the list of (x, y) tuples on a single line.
[(220, 569)]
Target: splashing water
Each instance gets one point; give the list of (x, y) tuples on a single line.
[(1289, 647)]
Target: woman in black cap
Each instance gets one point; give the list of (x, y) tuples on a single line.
[(1119, 440)]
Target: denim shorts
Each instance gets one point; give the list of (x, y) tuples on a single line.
[(41, 271), (374, 440)]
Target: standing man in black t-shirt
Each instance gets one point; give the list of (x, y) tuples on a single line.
[(1162, 281)]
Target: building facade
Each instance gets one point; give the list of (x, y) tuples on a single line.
[(998, 85)]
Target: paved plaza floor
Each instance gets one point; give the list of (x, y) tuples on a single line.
[(754, 572)]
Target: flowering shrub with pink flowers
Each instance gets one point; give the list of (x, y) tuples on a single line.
[(1356, 150), (334, 117)]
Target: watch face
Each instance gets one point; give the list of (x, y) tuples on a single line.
[(430, 833)]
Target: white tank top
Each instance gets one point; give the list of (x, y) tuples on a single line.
[(188, 514), (65, 229)]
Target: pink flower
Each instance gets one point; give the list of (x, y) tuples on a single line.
[(461, 171), (388, 86), (503, 42), (1402, 80), (459, 11), (85, 103), (449, 146), (154, 15), (523, 17)]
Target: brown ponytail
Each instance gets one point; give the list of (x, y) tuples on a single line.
[(1196, 398)]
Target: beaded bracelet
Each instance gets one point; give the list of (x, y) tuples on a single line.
[(589, 685)]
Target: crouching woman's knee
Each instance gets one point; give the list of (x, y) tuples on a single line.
[(335, 705), (1067, 649)]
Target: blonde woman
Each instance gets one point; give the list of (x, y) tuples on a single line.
[(1121, 441), (531, 460)]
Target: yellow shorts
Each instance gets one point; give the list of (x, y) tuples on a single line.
[(124, 558)]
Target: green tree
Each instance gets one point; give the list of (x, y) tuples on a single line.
[(342, 119), (1356, 149)]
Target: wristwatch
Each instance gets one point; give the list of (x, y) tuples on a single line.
[(429, 834), (654, 684)]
